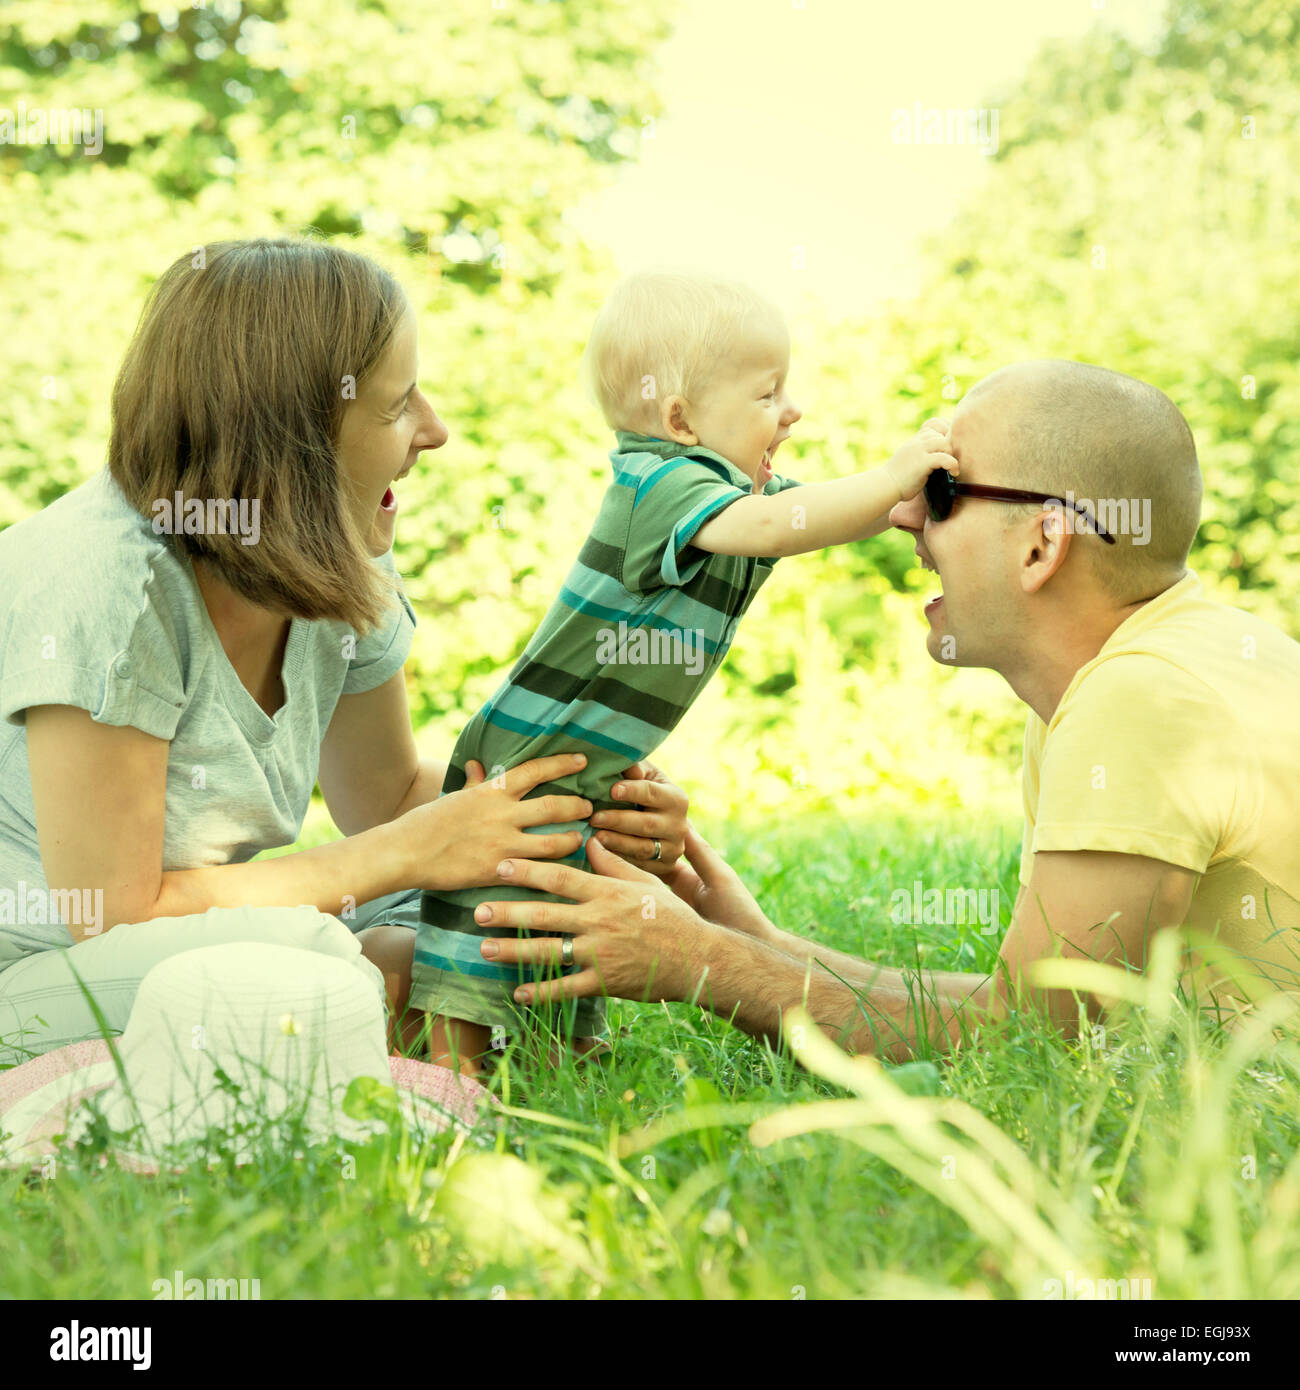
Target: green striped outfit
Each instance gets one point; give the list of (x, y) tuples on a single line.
[(641, 624)]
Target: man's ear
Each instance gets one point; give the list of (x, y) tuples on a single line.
[(673, 422), (1047, 545)]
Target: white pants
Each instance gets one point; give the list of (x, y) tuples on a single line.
[(42, 1006)]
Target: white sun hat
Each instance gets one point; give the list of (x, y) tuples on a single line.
[(231, 1037)]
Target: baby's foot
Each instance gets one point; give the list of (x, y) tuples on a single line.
[(591, 1049)]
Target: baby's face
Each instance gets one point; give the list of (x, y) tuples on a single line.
[(746, 410)]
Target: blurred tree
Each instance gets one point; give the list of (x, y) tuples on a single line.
[(457, 135), (1139, 213)]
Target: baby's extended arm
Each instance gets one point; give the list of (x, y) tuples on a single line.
[(822, 514)]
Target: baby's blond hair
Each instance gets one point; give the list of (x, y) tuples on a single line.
[(664, 332)]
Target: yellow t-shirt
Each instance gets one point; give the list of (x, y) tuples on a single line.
[(1180, 741)]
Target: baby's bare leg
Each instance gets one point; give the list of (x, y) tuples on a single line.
[(391, 947), (457, 1044)]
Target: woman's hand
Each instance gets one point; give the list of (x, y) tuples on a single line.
[(713, 888), (632, 937), (631, 834), (458, 840)]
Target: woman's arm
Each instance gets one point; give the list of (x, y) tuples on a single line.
[(370, 769), (99, 797), (371, 772)]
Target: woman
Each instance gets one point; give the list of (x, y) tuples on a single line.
[(198, 633)]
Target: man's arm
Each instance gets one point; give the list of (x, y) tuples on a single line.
[(1089, 905), (877, 1009), (629, 951), (1081, 904)]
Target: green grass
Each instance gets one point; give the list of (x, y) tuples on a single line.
[(1161, 1150)]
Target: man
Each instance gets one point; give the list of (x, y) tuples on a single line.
[(1162, 758)]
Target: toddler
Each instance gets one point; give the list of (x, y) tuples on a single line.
[(690, 372)]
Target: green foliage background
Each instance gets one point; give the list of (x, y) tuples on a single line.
[(1140, 213)]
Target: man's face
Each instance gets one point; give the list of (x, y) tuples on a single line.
[(973, 620)]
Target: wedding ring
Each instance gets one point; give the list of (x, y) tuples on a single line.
[(566, 951), (659, 850)]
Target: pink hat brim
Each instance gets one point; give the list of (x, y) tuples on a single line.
[(459, 1096)]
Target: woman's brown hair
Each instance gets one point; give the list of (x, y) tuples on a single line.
[(234, 387)]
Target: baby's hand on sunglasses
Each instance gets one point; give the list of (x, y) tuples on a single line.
[(919, 457)]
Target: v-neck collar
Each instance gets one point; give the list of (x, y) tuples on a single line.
[(251, 716)]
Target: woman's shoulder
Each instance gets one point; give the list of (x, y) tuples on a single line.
[(90, 543), (93, 593)]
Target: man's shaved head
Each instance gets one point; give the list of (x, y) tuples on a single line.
[(1057, 426)]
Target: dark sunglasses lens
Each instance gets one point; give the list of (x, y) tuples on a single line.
[(938, 494)]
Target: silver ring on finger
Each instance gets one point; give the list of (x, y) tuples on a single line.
[(659, 849), (566, 951)]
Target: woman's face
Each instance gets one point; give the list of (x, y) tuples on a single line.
[(383, 431)]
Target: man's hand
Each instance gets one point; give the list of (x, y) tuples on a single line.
[(713, 888), (631, 936), (656, 811)]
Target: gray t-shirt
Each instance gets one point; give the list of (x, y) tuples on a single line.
[(97, 611)]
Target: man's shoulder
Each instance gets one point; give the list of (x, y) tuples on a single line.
[(1141, 678), (1199, 625), (1200, 654)]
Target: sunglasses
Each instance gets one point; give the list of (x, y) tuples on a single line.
[(942, 489)]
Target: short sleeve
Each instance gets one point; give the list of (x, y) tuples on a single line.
[(673, 502), (1144, 760), (382, 652), (114, 653)]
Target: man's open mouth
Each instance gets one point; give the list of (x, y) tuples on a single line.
[(933, 604)]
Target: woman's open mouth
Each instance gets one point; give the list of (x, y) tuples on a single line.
[(389, 501)]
